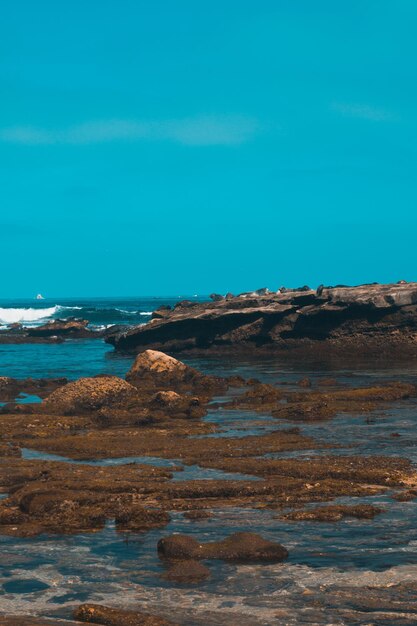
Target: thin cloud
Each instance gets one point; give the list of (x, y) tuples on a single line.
[(198, 131), (362, 111)]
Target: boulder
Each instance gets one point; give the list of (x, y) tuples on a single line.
[(87, 395), (241, 546), (157, 370)]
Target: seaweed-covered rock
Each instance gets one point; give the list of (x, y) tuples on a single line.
[(90, 394), (138, 519), (334, 513)]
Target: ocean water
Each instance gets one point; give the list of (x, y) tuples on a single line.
[(332, 568)]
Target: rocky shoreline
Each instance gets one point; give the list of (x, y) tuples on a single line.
[(372, 319)]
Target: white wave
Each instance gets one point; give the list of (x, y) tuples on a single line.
[(10, 316), (69, 308), (145, 313)]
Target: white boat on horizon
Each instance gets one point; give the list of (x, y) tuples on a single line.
[(40, 297)]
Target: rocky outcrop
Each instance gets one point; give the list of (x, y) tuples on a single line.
[(374, 317)]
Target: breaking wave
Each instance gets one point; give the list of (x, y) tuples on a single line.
[(95, 315), (11, 316)]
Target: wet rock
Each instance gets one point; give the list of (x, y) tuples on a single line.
[(153, 369), (138, 519), (304, 382), (98, 614), (90, 394), (176, 405), (11, 388), (327, 382), (320, 405), (74, 328), (188, 571), (405, 496), (241, 546), (161, 312), (334, 513)]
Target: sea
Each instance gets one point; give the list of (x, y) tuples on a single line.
[(332, 568)]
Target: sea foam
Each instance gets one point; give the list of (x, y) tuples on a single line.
[(10, 316)]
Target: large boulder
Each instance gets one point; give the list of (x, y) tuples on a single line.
[(156, 370), (87, 395)]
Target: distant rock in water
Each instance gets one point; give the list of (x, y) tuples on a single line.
[(367, 318), (71, 327)]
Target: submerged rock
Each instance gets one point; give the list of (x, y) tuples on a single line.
[(188, 571)]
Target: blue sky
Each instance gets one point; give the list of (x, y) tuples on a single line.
[(164, 147)]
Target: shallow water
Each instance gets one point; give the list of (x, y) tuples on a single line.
[(329, 566)]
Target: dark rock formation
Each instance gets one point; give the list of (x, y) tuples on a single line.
[(378, 318)]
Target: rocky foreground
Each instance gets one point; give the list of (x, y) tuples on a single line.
[(372, 318), (158, 411)]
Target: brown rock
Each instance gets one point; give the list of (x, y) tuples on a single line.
[(304, 382), (334, 513), (90, 394), (138, 519), (162, 372), (241, 546), (98, 614), (71, 327), (189, 571)]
